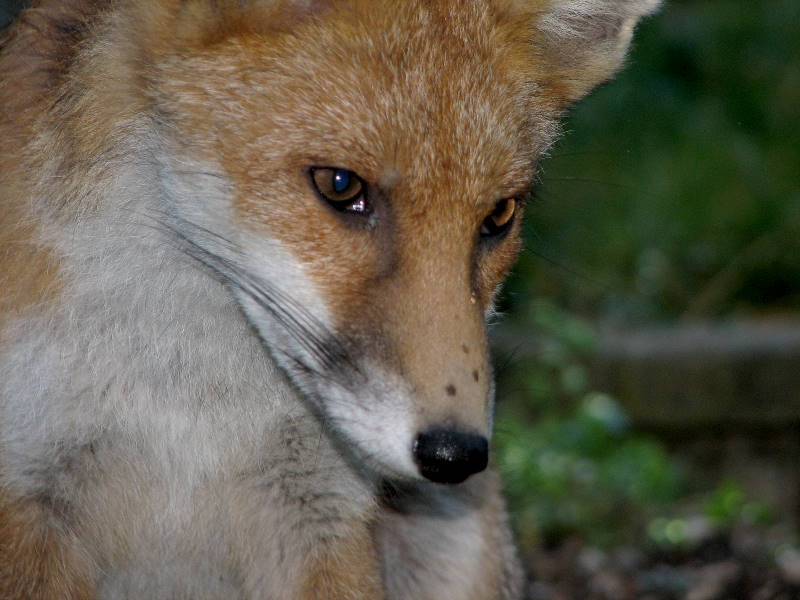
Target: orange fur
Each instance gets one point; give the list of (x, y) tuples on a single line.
[(383, 147), (348, 568), (39, 557), (29, 273)]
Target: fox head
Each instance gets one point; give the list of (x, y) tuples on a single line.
[(356, 172)]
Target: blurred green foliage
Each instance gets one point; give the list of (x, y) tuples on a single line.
[(677, 187), (584, 475), (729, 505), (574, 466)]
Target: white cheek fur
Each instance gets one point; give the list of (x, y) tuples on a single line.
[(149, 347), (377, 414)]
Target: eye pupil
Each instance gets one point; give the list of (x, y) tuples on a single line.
[(341, 180)]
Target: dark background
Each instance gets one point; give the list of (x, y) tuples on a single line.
[(8, 9)]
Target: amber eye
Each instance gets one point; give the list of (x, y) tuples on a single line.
[(500, 220), (341, 189)]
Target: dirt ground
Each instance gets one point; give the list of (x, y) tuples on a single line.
[(741, 564)]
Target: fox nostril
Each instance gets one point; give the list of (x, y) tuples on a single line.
[(450, 456)]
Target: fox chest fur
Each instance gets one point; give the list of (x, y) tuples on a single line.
[(248, 252)]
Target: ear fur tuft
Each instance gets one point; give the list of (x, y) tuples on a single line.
[(583, 42)]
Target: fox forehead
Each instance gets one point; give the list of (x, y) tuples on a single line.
[(434, 104), (425, 93)]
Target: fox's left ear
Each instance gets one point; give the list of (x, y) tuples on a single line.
[(581, 43)]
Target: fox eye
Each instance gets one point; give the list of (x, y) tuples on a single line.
[(500, 219), (343, 190)]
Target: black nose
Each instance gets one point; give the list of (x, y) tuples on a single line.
[(449, 456)]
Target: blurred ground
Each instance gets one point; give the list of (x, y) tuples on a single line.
[(724, 396), (737, 565)]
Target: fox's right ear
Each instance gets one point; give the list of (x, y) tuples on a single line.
[(581, 43)]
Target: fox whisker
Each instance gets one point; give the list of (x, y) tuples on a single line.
[(304, 328)]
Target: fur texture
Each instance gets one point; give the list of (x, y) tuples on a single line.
[(214, 378)]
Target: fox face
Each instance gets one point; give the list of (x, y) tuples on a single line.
[(369, 213), (361, 191)]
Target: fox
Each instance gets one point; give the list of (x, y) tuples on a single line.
[(248, 251)]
